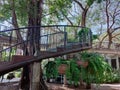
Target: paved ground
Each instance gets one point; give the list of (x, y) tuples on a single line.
[(94, 87), (53, 86)]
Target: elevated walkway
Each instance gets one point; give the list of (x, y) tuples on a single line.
[(54, 41)]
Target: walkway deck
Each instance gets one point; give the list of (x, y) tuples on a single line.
[(55, 41)]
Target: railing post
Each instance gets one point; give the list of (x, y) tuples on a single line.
[(65, 37), (90, 37), (1, 47)]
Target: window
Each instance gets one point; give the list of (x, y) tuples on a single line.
[(119, 61), (113, 63)]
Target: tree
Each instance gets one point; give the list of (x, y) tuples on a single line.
[(71, 9), (34, 19), (112, 13), (10, 13), (20, 8), (73, 12), (31, 11)]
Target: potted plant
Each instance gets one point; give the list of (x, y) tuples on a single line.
[(54, 68), (83, 35), (62, 65), (51, 70), (95, 69), (73, 73), (82, 63), (69, 68), (62, 68)]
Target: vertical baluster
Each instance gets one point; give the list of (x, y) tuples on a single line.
[(57, 41), (5, 56), (52, 35), (46, 42), (10, 41), (1, 46)]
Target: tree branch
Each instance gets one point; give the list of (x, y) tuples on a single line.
[(115, 29), (115, 35), (67, 18), (106, 9), (79, 4)]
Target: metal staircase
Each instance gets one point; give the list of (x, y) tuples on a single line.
[(55, 40)]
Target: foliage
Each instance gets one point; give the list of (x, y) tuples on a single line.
[(113, 77), (83, 34), (60, 61), (83, 31), (90, 2), (18, 74), (51, 70), (6, 55), (5, 13), (73, 73), (96, 69), (70, 10), (20, 9), (58, 10), (94, 37)]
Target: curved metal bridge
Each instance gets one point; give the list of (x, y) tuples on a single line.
[(55, 40)]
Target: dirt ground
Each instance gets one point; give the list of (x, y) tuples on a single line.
[(53, 86)]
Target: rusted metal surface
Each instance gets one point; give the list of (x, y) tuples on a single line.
[(20, 58)]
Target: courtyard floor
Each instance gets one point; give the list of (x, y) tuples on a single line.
[(94, 87), (53, 86)]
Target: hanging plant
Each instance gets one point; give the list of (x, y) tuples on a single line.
[(95, 69), (62, 69), (82, 63), (73, 73), (51, 70), (62, 65), (83, 35), (83, 31)]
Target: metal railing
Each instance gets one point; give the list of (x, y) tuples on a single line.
[(51, 37)]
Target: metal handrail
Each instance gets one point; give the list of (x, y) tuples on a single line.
[(41, 26), (62, 33)]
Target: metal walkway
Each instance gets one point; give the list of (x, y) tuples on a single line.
[(56, 40)]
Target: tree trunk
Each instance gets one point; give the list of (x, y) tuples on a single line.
[(35, 76), (35, 71), (36, 82), (25, 80), (84, 15), (15, 23), (110, 40)]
